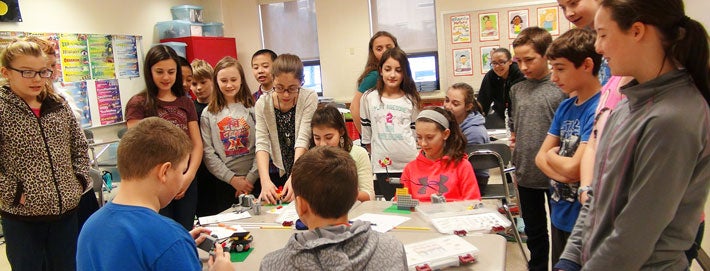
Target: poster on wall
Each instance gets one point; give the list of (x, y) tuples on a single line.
[(461, 29), (462, 62), (109, 100), (8, 36), (518, 21), (548, 19), (486, 58), (10, 11), (101, 57), (488, 23), (77, 90), (75, 57), (512, 52), (125, 56)]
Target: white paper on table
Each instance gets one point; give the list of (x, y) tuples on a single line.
[(277, 211), (289, 214), (223, 232), (213, 219), (383, 223)]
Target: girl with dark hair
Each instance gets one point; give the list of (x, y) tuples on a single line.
[(494, 95), (462, 104), (328, 129), (165, 99), (388, 113), (379, 43), (442, 166), (645, 208)]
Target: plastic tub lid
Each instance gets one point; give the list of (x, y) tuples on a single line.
[(171, 43), (186, 7), (211, 24)]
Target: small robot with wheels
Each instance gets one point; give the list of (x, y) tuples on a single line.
[(240, 241)]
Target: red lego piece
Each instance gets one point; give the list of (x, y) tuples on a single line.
[(465, 259), (460, 232), (424, 267), (287, 223)]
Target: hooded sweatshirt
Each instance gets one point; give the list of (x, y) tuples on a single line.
[(474, 129), (340, 247)]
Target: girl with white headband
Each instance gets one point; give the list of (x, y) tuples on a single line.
[(442, 165)]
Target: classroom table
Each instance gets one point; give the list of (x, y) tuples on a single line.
[(492, 247)]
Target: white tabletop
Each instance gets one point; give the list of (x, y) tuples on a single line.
[(492, 247)]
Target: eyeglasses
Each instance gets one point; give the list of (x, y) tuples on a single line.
[(46, 73), (291, 89), (496, 64)]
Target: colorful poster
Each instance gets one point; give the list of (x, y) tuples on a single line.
[(109, 100), (486, 58), (126, 56), (489, 26), (518, 21), (75, 57), (8, 36), (548, 19), (101, 57), (460, 29), (462, 62), (77, 90)]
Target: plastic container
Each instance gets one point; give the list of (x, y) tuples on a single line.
[(179, 47), (178, 29), (188, 13), (213, 29)]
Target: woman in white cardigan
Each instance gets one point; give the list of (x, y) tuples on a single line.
[(283, 127)]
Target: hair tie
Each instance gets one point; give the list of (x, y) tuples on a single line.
[(434, 116)]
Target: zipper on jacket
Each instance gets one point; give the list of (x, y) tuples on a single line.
[(51, 163)]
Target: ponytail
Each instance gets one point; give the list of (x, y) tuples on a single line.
[(691, 51)]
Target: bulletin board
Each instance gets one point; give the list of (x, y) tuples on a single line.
[(470, 36), (101, 72)]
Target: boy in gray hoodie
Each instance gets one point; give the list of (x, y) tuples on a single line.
[(324, 182)]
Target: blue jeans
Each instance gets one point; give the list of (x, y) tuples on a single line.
[(41, 245)]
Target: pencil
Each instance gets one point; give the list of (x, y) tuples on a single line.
[(276, 227), (412, 228)]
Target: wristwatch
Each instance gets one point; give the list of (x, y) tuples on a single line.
[(585, 188)]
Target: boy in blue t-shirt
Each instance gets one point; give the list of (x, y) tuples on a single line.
[(128, 233), (575, 65)]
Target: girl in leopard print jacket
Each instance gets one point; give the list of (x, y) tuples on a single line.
[(43, 163)]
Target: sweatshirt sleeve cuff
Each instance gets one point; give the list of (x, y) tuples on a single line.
[(566, 265)]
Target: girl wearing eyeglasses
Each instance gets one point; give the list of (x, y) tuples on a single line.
[(283, 127), (388, 112), (495, 88), (44, 164)]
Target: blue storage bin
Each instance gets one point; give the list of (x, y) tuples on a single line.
[(179, 47), (177, 29), (213, 30), (187, 13)]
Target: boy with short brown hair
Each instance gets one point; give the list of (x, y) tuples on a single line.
[(325, 184), (128, 233), (534, 102)]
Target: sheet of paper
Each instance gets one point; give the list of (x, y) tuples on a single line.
[(438, 252), (383, 223), (223, 232), (213, 219), (289, 214)]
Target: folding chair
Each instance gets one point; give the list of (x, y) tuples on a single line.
[(497, 155)]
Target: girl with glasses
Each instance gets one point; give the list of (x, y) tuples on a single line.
[(283, 127), (494, 94), (44, 164)]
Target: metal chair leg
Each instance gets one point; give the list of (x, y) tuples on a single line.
[(515, 231)]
